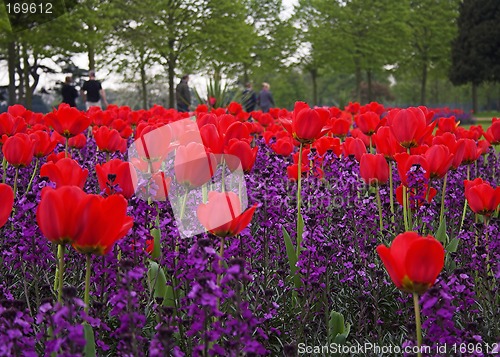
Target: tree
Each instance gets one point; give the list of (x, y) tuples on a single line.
[(476, 49), (357, 36), (27, 46), (432, 24)]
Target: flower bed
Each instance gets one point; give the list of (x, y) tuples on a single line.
[(96, 260)]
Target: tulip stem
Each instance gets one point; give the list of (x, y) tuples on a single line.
[(441, 214), (87, 283), (418, 323), (15, 182), (464, 212), (183, 204), (33, 175), (391, 197), (299, 198), (405, 213), (4, 167), (66, 148), (60, 254), (379, 204), (486, 239)]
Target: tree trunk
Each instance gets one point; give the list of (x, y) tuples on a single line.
[(26, 75), (171, 76), (423, 84), (474, 98), (11, 60), (314, 77), (91, 55), (144, 87), (358, 79), (20, 74), (370, 89)]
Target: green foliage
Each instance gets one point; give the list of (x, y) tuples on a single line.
[(222, 94), (337, 329), (476, 48)]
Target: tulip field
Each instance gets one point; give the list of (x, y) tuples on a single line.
[(362, 230)]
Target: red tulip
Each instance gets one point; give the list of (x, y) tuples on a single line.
[(327, 143), (55, 157), (483, 146), (405, 162), (109, 140), (117, 172), (153, 142), (11, 124), (386, 143), (307, 124), (193, 165), (416, 199), (78, 141), (240, 152), (65, 172), (283, 147), (293, 171), (18, 150), (353, 108), (445, 125), (466, 152), (104, 221), (59, 212), (367, 122), (341, 126), (353, 148), (234, 108), (237, 130), (410, 126), (43, 144), (439, 160), (374, 169), (163, 186), (6, 203), (493, 132), (265, 119), (67, 121), (413, 262), (482, 198), (212, 139), (222, 215)]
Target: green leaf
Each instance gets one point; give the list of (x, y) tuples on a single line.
[(169, 299), (157, 280), (155, 232), (452, 246), (441, 232), (342, 338), (290, 251), (335, 325), (89, 350), (292, 259), (300, 231)]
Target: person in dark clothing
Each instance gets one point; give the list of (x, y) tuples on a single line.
[(69, 92), (249, 98), (183, 95), (265, 98), (92, 92)]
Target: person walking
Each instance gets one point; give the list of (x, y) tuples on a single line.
[(183, 95), (249, 98), (265, 98), (69, 92), (93, 93)]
